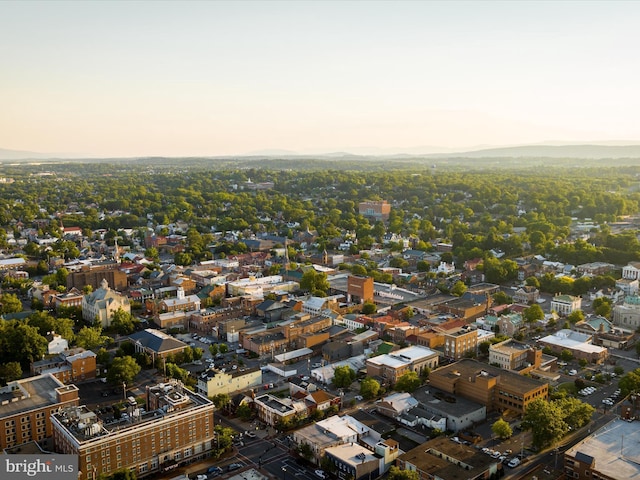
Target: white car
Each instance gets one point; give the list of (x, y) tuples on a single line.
[(320, 473), (514, 462), (573, 372)]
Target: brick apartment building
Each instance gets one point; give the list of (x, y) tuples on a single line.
[(176, 428), (26, 406)]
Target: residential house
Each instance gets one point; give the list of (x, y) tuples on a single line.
[(526, 295)]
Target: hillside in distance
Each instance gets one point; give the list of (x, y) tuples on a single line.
[(550, 151)]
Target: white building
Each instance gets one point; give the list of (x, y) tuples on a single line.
[(566, 304), (631, 271), (102, 304)]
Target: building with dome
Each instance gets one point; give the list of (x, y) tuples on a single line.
[(102, 304)]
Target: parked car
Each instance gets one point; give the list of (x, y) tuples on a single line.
[(234, 466), (320, 473), (251, 435), (514, 462), (214, 469)]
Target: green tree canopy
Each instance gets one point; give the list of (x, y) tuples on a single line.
[(314, 282), (532, 314), (10, 303), (343, 376), (91, 337), (458, 289), (369, 388), (501, 429), (395, 473), (408, 382), (546, 422), (123, 322), (123, 369), (9, 372)]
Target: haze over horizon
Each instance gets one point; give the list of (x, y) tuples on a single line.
[(116, 79)]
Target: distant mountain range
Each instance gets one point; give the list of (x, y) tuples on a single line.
[(594, 150)]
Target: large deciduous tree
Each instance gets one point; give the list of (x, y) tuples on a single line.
[(408, 382), (123, 370), (501, 429), (369, 388), (343, 376)]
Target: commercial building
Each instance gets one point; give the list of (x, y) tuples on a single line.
[(392, 366), (579, 344), (26, 406), (94, 276), (459, 343), (627, 315), (491, 386), (610, 453), (214, 381), (156, 343), (512, 355), (375, 210), (565, 304), (441, 458), (176, 427)]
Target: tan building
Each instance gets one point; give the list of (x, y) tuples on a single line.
[(27, 405), (215, 382), (493, 387), (375, 210), (392, 366), (441, 458), (99, 306), (176, 428), (359, 289), (459, 343), (512, 355), (68, 366)]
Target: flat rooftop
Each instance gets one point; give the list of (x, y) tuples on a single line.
[(29, 394), (614, 448)]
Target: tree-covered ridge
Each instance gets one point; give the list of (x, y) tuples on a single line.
[(516, 210)]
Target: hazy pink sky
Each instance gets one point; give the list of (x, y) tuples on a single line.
[(216, 78)]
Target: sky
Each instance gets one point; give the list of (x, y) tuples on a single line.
[(122, 79)]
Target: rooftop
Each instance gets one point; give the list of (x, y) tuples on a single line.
[(30, 394), (614, 448)]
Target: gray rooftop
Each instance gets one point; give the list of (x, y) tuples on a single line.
[(614, 448)]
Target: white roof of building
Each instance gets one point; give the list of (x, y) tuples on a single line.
[(572, 340), (342, 427), (314, 303)]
